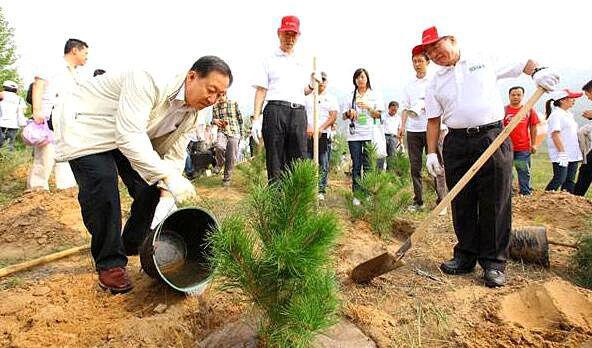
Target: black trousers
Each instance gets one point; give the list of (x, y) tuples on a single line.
[(584, 177), (284, 135), (482, 211), (96, 176)]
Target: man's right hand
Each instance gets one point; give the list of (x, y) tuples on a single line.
[(433, 165), (38, 118), (181, 188), (587, 114)]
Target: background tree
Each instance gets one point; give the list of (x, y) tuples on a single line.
[(7, 52)]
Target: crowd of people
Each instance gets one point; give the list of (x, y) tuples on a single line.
[(145, 130)]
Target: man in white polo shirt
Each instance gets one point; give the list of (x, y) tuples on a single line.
[(50, 86), (282, 82), (464, 96), (12, 117), (414, 121), (327, 112)]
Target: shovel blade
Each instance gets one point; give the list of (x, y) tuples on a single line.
[(379, 265)]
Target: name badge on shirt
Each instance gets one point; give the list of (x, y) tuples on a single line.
[(363, 118)]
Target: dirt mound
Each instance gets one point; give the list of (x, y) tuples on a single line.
[(552, 305), (555, 208), (39, 223)]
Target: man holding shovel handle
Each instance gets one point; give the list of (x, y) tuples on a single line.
[(464, 96)]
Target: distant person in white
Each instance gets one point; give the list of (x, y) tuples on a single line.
[(562, 140), (53, 84), (12, 113)]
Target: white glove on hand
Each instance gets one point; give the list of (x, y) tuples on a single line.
[(256, 129), (181, 188), (562, 159), (546, 78), (433, 164), (315, 77), (165, 206)]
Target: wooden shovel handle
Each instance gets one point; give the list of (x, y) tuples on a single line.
[(41, 260), (423, 227)]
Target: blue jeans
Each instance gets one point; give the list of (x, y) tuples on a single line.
[(324, 150), (522, 165), (359, 160), (563, 177)]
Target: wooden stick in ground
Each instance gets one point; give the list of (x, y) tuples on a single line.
[(387, 262), (315, 126), (41, 260)]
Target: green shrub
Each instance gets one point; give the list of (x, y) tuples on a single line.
[(581, 262), (253, 172), (278, 254), (338, 149), (398, 164)]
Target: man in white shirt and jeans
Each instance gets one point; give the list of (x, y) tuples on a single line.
[(55, 83), (283, 83), (464, 96), (12, 116), (327, 114)]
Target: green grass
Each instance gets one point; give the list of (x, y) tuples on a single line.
[(12, 187)]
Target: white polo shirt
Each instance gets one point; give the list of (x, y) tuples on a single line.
[(563, 121), (467, 95), (391, 123), (12, 110), (327, 103), (414, 100), (59, 79), (284, 76), (364, 122)]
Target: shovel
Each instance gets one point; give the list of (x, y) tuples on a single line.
[(387, 262)]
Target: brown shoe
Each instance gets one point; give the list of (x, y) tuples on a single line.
[(115, 280)]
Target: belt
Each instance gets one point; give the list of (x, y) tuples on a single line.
[(285, 104), (475, 130)]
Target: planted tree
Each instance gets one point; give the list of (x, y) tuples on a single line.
[(278, 254), (383, 196), (253, 171), (7, 51)]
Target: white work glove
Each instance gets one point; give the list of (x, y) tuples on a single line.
[(546, 78), (165, 206), (181, 188), (562, 159), (433, 164), (315, 77), (257, 129)]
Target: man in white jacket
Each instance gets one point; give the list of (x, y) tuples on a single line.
[(135, 126)]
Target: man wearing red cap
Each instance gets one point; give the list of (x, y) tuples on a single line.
[(283, 82), (464, 96)]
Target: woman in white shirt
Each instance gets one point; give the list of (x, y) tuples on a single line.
[(562, 140), (363, 110)]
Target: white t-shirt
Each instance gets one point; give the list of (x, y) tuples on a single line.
[(364, 122), (12, 110), (60, 80), (284, 76), (563, 121), (466, 94), (414, 100), (327, 103), (391, 123)]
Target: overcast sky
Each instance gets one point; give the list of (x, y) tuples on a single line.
[(168, 36)]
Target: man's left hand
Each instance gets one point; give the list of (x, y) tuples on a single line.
[(533, 149)]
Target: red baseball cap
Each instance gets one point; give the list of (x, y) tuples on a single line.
[(416, 50), (430, 35), (566, 93), (290, 23)]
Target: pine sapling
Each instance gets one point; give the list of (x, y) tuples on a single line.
[(278, 254)]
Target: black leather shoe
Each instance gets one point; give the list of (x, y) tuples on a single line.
[(494, 278), (457, 266)]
